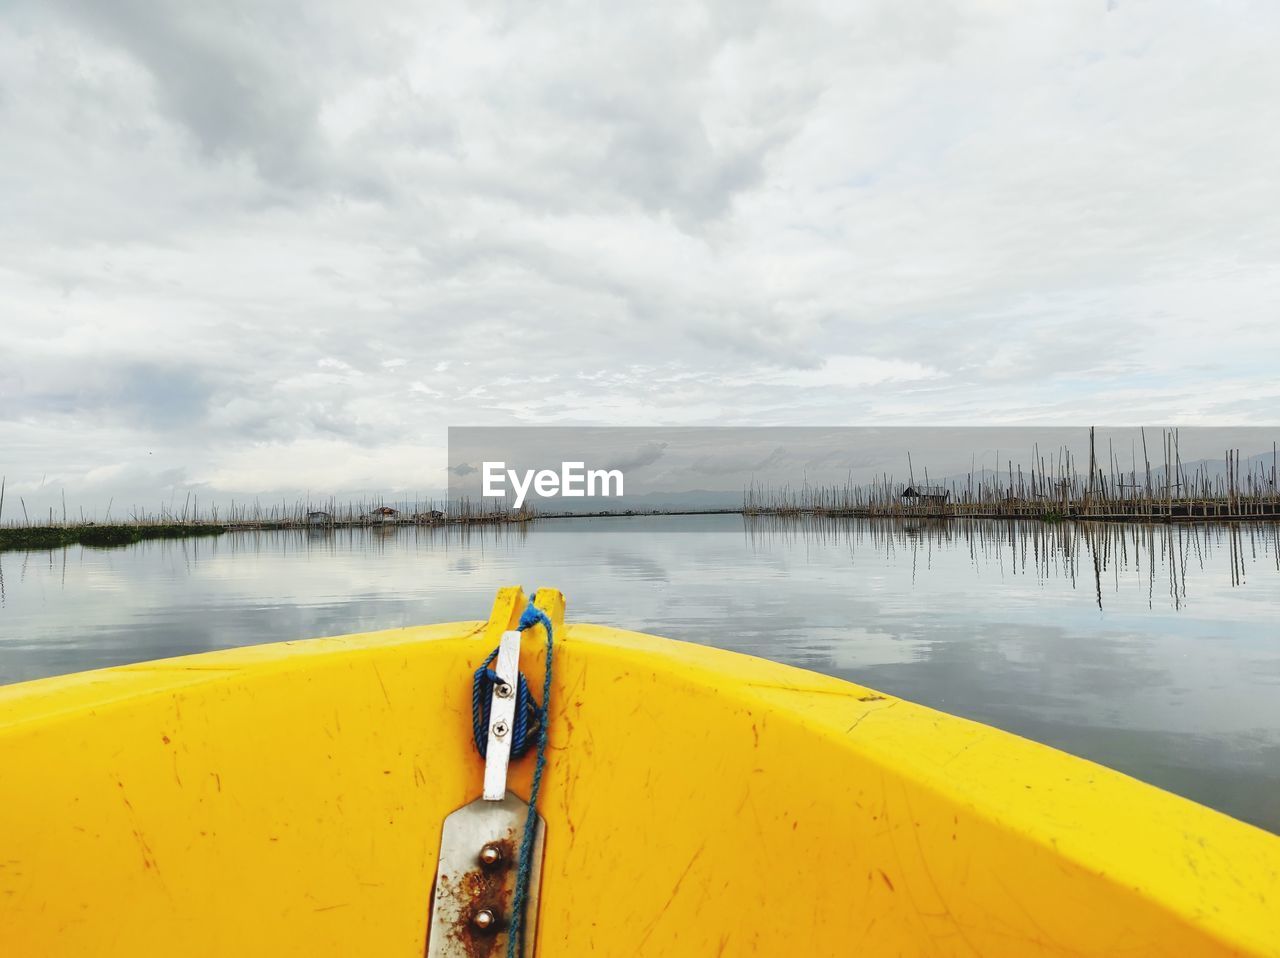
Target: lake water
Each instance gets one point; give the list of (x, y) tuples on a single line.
[(1152, 649)]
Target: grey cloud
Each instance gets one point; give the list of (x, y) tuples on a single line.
[(647, 454), (225, 75), (143, 394)]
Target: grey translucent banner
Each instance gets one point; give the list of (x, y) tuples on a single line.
[(1055, 472)]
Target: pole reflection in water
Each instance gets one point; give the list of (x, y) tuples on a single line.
[(1157, 554)]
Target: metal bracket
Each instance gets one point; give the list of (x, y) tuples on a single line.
[(476, 880), (502, 714)]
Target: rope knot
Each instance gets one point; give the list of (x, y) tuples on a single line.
[(529, 714), (532, 616)]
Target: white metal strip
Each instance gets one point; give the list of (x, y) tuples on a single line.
[(502, 713)]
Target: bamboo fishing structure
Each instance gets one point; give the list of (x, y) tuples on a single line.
[(1051, 488), (1054, 488)]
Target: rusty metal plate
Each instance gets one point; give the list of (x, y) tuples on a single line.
[(471, 906)]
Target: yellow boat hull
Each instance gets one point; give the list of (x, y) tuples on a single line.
[(288, 800)]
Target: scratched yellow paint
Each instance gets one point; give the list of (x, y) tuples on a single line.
[(287, 800)]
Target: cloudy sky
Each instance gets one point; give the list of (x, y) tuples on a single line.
[(255, 247)]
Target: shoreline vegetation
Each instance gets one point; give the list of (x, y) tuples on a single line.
[(189, 522), (1053, 490), (36, 538)]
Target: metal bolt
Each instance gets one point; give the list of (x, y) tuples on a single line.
[(503, 691), (484, 919), (490, 855), (500, 729)]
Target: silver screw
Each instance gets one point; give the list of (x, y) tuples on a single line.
[(500, 729), (503, 691), (484, 919), (490, 855)]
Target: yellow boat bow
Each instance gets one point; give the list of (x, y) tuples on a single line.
[(289, 799)]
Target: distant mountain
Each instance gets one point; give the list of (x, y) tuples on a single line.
[(695, 500)]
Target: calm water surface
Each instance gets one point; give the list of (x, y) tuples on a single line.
[(1154, 650)]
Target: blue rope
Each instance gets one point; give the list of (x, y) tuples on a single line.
[(515, 940), (527, 710)]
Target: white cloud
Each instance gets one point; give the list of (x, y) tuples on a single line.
[(223, 226)]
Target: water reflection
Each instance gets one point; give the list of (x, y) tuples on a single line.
[(1149, 648), (1097, 552)]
